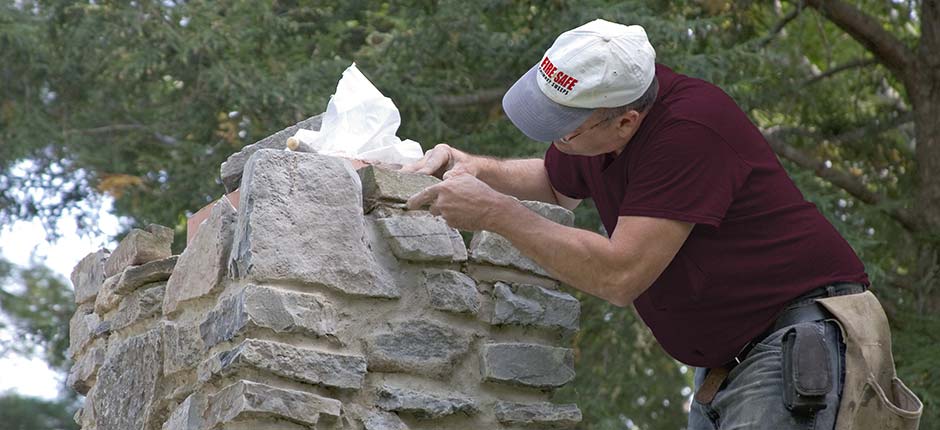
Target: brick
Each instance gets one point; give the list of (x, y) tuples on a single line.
[(451, 291), (422, 404), (139, 247), (300, 220), (202, 265), (530, 305), (85, 370), (491, 248), (81, 329), (542, 415), (188, 415), (127, 383), (135, 277), (139, 305), (232, 168), (254, 399), (527, 364), (417, 346), (381, 185), (88, 275), (423, 238), (183, 345), (302, 364)]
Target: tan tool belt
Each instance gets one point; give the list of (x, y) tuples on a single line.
[(872, 397)]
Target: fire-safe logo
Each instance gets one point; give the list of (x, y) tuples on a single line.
[(560, 81)]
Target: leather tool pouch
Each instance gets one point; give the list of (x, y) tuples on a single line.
[(807, 377)]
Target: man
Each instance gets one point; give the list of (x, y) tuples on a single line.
[(708, 237)]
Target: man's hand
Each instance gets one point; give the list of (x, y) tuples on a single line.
[(464, 201), (441, 160)]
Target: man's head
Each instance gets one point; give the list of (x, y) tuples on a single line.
[(598, 78)]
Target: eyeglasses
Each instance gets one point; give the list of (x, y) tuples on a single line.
[(567, 140)]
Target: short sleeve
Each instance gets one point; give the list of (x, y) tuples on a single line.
[(687, 173), (565, 174)]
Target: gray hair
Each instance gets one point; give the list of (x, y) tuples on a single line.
[(642, 104)]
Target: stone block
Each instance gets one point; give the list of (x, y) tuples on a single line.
[(381, 185), (423, 238), (188, 415), (487, 273), (255, 399), (527, 364), (108, 298), (183, 345), (302, 364), (423, 404), (491, 248), (300, 219), (201, 267), (135, 277), (530, 305), (85, 370), (139, 247), (139, 305), (82, 327), (88, 275), (417, 346), (451, 291), (279, 310), (233, 167), (127, 382), (541, 415), (375, 419)]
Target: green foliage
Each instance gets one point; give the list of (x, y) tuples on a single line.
[(28, 413), (141, 101)]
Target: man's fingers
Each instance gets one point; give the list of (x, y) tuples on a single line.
[(423, 198)]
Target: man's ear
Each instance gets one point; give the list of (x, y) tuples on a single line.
[(627, 123)]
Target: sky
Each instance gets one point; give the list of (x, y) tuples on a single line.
[(28, 376)]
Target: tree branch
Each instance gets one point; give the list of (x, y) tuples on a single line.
[(778, 27), (480, 97), (854, 64), (839, 178), (889, 50)]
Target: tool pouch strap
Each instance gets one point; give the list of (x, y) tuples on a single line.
[(872, 397)]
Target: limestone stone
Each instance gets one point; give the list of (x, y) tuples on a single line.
[(303, 364), (127, 382), (451, 291), (391, 186), (418, 346), (108, 298), (252, 398), (139, 247), (201, 267), (491, 248), (375, 419), (82, 328), (88, 275), (188, 415), (139, 305), (300, 219), (423, 238), (85, 370), (527, 364), (530, 305), (488, 273), (233, 167), (423, 404), (135, 277), (183, 345), (279, 310), (543, 414)]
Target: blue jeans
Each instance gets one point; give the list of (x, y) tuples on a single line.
[(752, 395)]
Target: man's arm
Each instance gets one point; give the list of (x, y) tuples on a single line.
[(523, 179), (617, 269)]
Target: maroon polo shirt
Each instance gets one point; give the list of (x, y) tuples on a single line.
[(757, 243)]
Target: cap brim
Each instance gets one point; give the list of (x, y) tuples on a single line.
[(536, 115)]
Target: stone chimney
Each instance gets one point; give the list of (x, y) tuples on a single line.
[(320, 303)]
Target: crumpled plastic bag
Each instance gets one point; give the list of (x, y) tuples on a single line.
[(361, 123)]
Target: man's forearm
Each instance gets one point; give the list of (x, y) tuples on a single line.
[(580, 258), (523, 179)]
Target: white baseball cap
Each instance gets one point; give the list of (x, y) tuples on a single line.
[(600, 64)]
